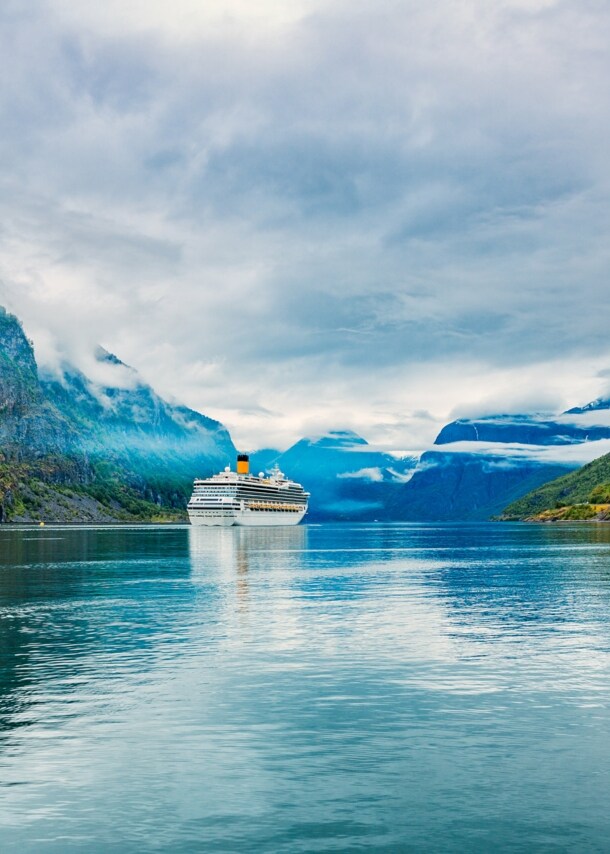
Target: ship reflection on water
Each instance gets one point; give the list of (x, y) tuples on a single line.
[(231, 555)]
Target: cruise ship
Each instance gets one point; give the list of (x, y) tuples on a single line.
[(240, 498)]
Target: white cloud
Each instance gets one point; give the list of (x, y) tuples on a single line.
[(183, 20), (576, 454), (595, 418), (337, 213), (372, 474)]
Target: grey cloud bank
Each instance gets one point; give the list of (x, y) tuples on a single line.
[(329, 215)]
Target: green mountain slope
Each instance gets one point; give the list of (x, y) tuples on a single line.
[(583, 494)]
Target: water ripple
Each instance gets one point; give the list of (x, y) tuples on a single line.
[(322, 688)]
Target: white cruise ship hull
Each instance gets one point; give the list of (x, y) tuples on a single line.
[(251, 518), (239, 498)]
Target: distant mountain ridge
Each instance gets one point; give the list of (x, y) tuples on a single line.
[(595, 406), (478, 466), (346, 477), (474, 470), (524, 429)]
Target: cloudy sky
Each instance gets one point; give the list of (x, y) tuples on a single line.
[(302, 214)]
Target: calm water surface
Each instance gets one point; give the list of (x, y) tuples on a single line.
[(333, 688)]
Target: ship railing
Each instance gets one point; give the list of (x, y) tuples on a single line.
[(274, 505)]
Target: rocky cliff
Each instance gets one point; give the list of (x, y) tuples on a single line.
[(30, 426)]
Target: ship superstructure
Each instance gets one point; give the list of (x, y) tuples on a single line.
[(240, 498)]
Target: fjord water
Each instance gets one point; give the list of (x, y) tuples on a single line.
[(332, 688)]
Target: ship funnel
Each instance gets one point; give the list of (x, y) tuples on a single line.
[(243, 464)]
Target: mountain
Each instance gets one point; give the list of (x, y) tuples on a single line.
[(264, 459), (524, 429), (30, 426), (469, 487), (602, 403), (474, 470), (130, 423), (479, 466), (104, 446), (76, 448), (347, 478), (583, 494)]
